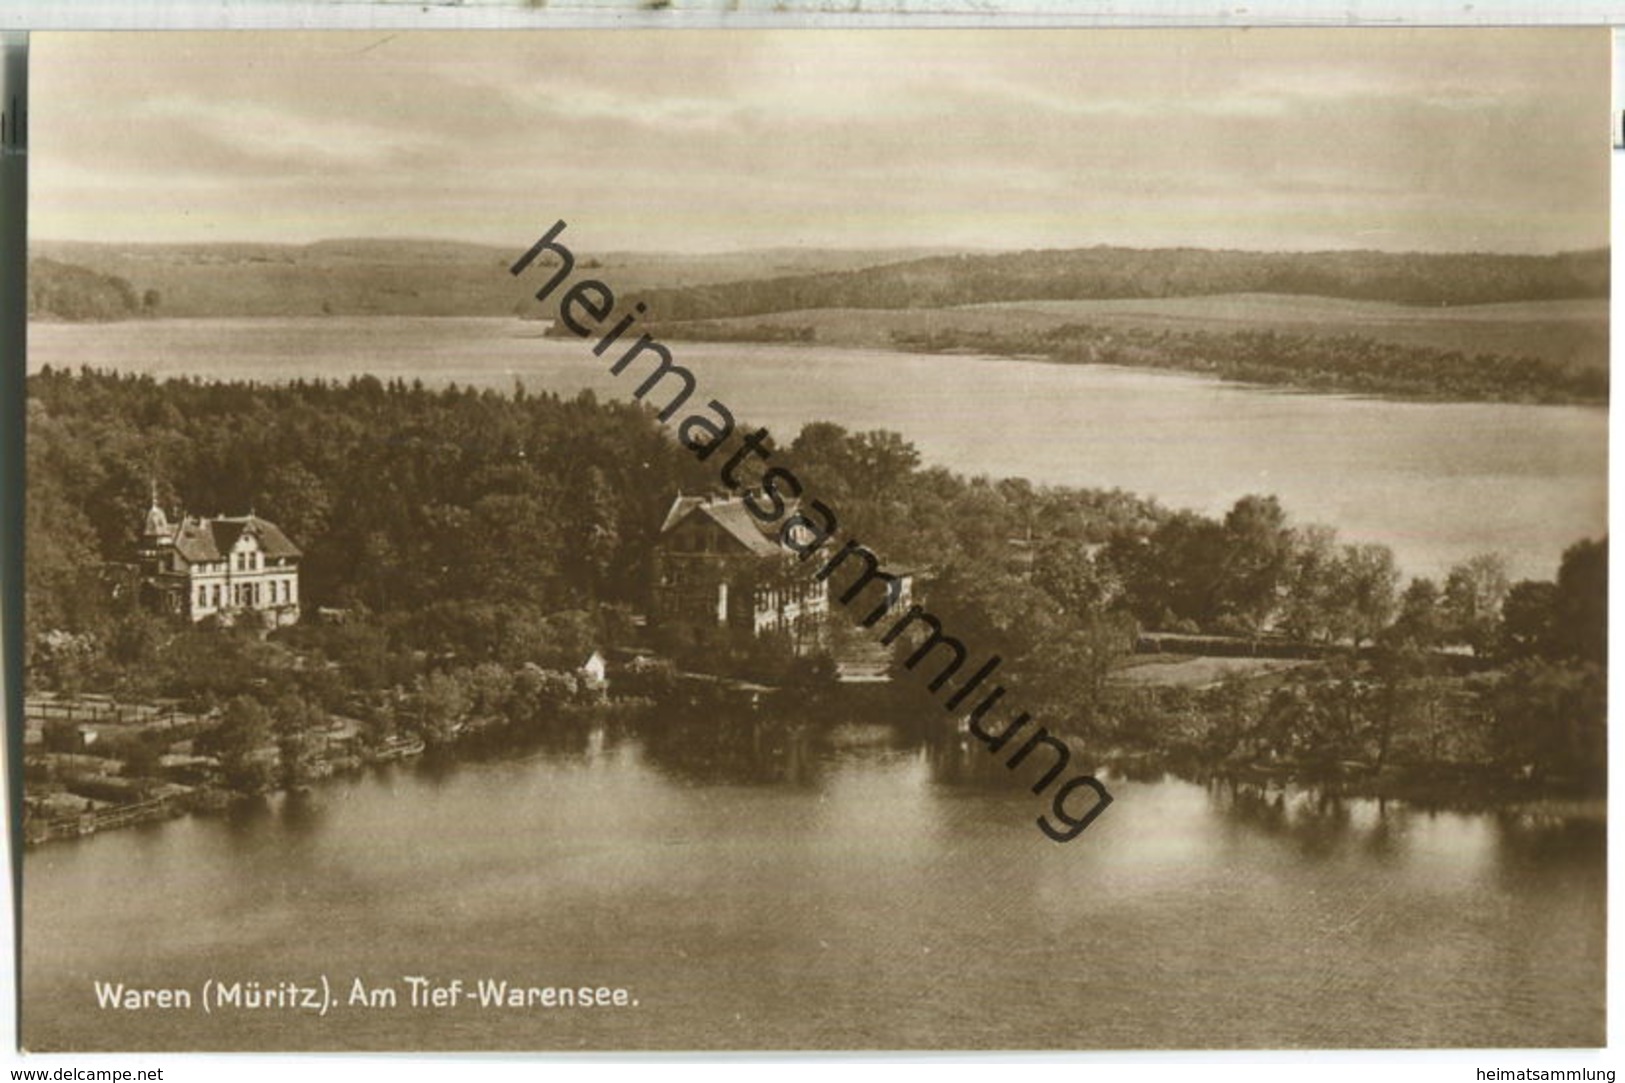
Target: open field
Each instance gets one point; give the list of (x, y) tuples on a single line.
[(1569, 332)]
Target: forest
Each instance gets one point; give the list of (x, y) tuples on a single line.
[(1340, 363), (1412, 278), (69, 292), (471, 544), (1310, 359), (424, 278)]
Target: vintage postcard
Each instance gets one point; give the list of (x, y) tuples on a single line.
[(816, 540)]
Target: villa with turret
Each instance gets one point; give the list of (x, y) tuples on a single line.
[(227, 566)]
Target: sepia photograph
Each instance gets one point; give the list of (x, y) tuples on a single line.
[(816, 540)]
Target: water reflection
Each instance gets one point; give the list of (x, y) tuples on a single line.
[(738, 751), (753, 750), (763, 882), (1529, 846), (300, 812), (1318, 825), (245, 816)]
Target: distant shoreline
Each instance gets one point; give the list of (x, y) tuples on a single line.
[(702, 334), (1420, 355)]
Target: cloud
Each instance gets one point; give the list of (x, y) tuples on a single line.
[(270, 134), (716, 140)]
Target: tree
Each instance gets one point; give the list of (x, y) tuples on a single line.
[(436, 707), (595, 537), (1082, 587), (824, 459), (884, 461), (301, 499), (62, 735), (141, 757), (294, 721), (1067, 679), (1310, 583), (1257, 551), (243, 731), (64, 593), (1408, 698), (538, 694), (1529, 627), (1175, 574), (1366, 583), (1420, 625), (1552, 719), (1582, 602), (1473, 595)]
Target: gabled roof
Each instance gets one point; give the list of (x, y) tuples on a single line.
[(208, 540), (733, 517), (195, 541), (679, 508), (273, 543)]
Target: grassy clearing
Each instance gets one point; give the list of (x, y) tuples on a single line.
[(1569, 332), (1194, 671)]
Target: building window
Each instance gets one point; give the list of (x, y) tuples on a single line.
[(202, 597)]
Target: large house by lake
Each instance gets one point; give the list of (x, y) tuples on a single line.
[(227, 566), (717, 566)]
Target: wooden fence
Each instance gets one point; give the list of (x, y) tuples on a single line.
[(106, 713)]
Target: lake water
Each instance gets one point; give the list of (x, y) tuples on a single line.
[(855, 889), (1436, 482), (845, 888)]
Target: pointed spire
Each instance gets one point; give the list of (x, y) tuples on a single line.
[(156, 524)]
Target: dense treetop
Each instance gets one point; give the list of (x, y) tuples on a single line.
[(470, 537)]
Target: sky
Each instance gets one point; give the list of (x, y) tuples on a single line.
[(710, 140)]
